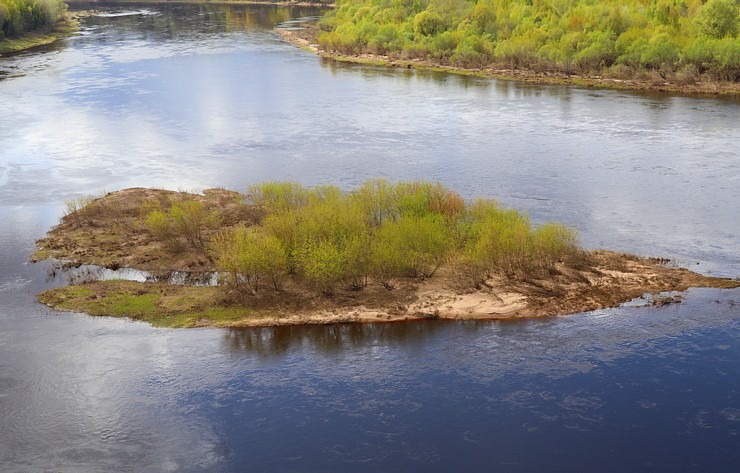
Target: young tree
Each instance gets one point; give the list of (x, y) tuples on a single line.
[(187, 219), (719, 18), (249, 256)]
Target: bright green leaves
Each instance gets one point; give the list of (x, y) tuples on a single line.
[(581, 36), (186, 219), (325, 239), (23, 16), (720, 19), (249, 256)]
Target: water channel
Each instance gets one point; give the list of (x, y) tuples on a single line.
[(189, 96)]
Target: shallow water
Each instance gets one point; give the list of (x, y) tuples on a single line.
[(191, 97)]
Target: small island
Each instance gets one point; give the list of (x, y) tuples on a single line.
[(283, 253)]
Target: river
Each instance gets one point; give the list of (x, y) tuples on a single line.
[(188, 96)]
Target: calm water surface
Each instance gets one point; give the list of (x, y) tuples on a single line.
[(191, 97)]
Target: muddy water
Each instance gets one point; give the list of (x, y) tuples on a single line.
[(191, 96)]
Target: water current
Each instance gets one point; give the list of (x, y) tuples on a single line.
[(188, 96)]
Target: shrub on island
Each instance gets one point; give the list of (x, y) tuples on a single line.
[(329, 239)]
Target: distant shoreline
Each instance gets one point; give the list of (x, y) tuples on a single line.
[(306, 38), (218, 2)]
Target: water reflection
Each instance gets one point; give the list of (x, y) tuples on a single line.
[(185, 98), (60, 272), (487, 351), (168, 21), (326, 339)]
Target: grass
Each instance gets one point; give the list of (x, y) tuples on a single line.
[(28, 41), (159, 304), (32, 40)]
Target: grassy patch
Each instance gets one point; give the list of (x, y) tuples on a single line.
[(161, 305), (24, 42)]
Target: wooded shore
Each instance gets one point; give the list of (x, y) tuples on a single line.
[(306, 38)]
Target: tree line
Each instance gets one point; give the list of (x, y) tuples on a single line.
[(18, 17), (691, 37)]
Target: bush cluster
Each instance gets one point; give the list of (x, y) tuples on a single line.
[(565, 35), (330, 239), (22, 16), (186, 219)]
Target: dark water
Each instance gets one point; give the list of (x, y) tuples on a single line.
[(190, 97)]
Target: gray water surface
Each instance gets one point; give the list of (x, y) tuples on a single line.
[(196, 96)]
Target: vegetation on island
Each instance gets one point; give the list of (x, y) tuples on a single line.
[(27, 23), (680, 40), (326, 239), (287, 253), (330, 239)]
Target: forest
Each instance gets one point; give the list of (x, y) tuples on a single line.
[(18, 17), (682, 38)]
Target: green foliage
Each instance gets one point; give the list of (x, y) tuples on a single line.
[(321, 264), (412, 246), (716, 56), (384, 231), (186, 219), (327, 239), (278, 195), (719, 18), (248, 256), (570, 36), (428, 22), (22, 16), (503, 241), (159, 225)]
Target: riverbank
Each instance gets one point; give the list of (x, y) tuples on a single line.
[(65, 27), (114, 236), (306, 38)]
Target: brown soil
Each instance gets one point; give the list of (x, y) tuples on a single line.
[(306, 38), (110, 232)]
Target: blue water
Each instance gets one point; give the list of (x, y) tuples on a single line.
[(196, 96)]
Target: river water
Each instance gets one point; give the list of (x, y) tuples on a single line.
[(196, 96)]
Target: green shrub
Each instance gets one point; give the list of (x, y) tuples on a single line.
[(158, 223), (331, 239), (719, 19), (249, 256), (586, 34), (321, 264), (278, 196), (22, 16), (414, 246), (429, 22), (187, 219)]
